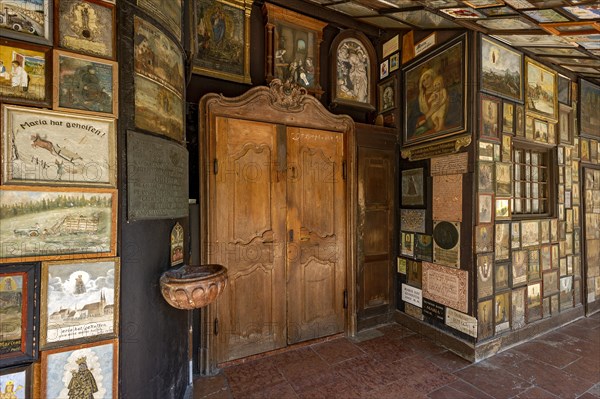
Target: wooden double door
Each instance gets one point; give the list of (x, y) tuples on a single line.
[(278, 205)]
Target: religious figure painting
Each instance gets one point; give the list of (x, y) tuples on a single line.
[(84, 371), (501, 70), (541, 86), (16, 382), (79, 301), (590, 103), (353, 67), (86, 27), (434, 94), (222, 39)]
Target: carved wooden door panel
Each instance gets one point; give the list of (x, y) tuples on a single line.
[(375, 230), (249, 237), (316, 238)]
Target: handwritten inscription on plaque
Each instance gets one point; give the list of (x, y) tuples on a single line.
[(157, 178), (449, 165), (461, 322), (446, 286)]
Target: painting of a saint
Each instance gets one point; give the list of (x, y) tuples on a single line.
[(353, 71), (434, 95)]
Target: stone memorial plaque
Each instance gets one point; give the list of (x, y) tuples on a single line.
[(446, 286), (447, 198), (412, 220), (413, 311), (412, 295), (450, 165), (434, 310), (157, 178), (446, 243), (461, 322)]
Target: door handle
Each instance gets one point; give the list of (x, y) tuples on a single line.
[(291, 235)]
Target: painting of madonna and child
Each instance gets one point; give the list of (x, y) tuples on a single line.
[(434, 94)]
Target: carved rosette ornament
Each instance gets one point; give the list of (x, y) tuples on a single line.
[(287, 96)]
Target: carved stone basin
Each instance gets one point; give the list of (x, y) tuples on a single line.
[(192, 287)]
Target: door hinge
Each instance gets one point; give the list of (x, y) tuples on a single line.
[(344, 170), (216, 327), (216, 166), (345, 299)]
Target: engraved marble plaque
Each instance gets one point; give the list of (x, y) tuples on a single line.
[(412, 220), (450, 165), (157, 178), (412, 295), (446, 286), (461, 322), (447, 198), (434, 310)]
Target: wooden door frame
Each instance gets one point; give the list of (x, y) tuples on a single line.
[(283, 104)]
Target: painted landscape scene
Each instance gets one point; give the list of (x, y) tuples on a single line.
[(541, 90), (40, 223), (500, 70), (11, 312)]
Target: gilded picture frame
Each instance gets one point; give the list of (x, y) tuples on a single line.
[(79, 301), (29, 67), (60, 366), (86, 27), (84, 84), (56, 148), (45, 223), (434, 93), (19, 341), (32, 24), (501, 72), (354, 66), (221, 39), (541, 90)]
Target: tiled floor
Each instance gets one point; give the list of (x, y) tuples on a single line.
[(397, 363)]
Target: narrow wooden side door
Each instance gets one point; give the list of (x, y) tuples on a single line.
[(248, 205), (316, 234)]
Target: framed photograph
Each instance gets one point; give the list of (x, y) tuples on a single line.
[(86, 26), (501, 276), (413, 188), (25, 73), (565, 124), (384, 69), (564, 90), (85, 84), (93, 367), (485, 320), (485, 177), (31, 22), (502, 311), (541, 90), (503, 210), (387, 94), (484, 238), (515, 235), (20, 307), (485, 206), (503, 179), (520, 120), (293, 47), (227, 55), (508, 117), (501, 70), (434, 93), (506, 148), (530, 233), (54, 223), (518, 308), (407, 247), (169, 14), (79, 301), (485, 278), (55, 148), (533, 265), (534, 302), (394, 62), (589, 102), (157, 57), (17, 381), (520, 260), (502, 241), (490, 117), (486, 151)]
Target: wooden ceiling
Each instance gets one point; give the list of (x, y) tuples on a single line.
[(561, 32)]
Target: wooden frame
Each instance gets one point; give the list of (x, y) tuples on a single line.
[(93, 34), (413, 187), (566, 123), (23, 346), (508, 117), (209, 58), (485, 177), (502, 209), (534, 302), (572, 28), (101, 359), (353, 70), (84, 84), (75, 150), (489, 121), (21, 376), (387, 94), (37, 234), (538, 78), (384, 69), (23, 29), (35, 88), (280, 28), (589, 103), (484, 3), (485, 208), (61, 302), (428, 87), (501, 71), (564, 88)]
